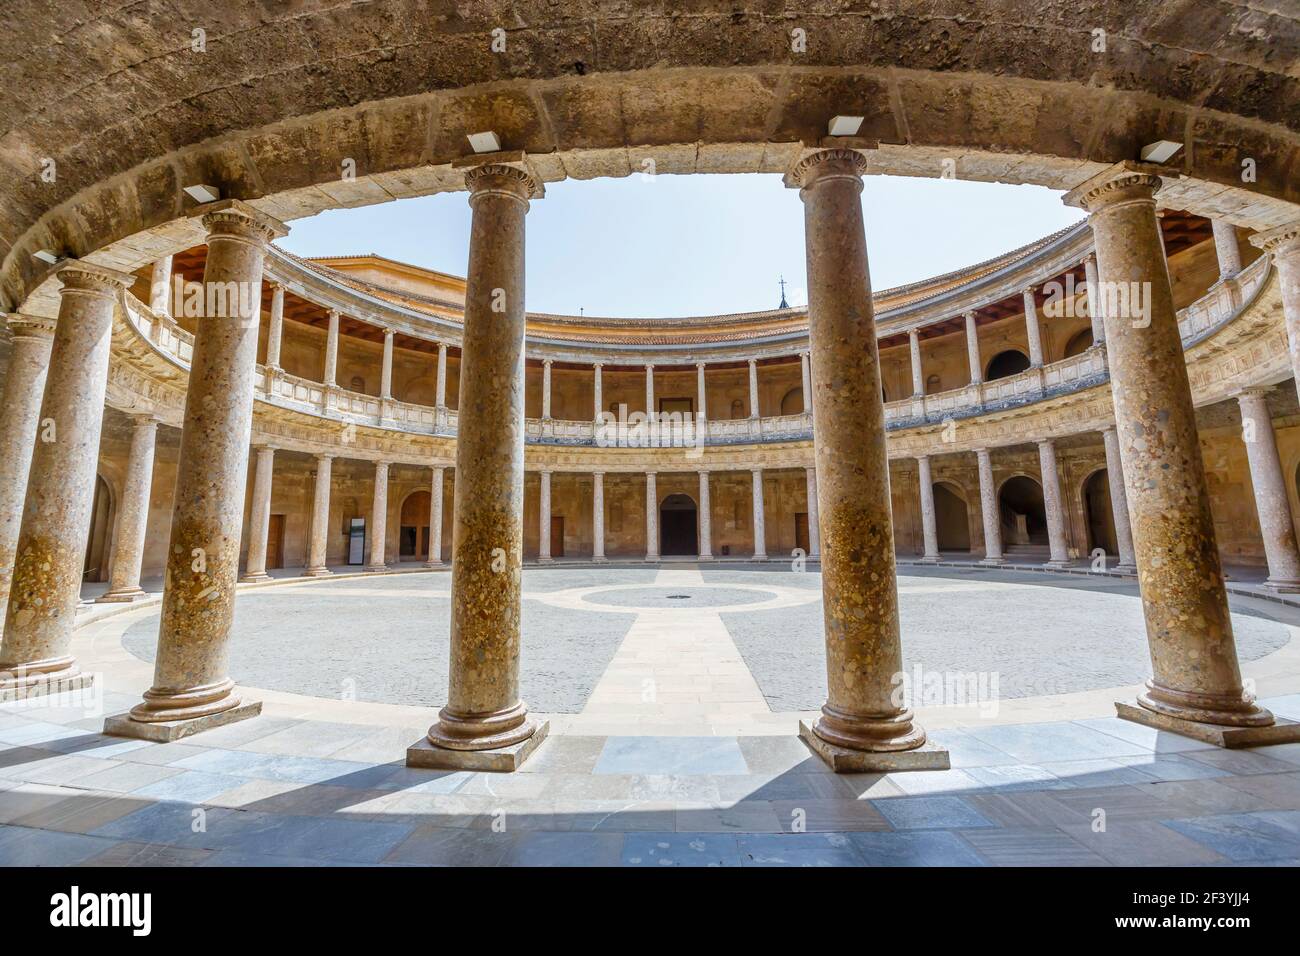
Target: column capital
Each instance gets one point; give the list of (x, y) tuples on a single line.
[(261, 446), (335, 315), (506, 175), (236, 219), (388, 331), (437, 468), (547, 362), (275, 285), (1282, 241), (914, 334), (1126, 181), (918, 458), (1253, 392), (85, 277), (598, 474), (142, 419), (325, 456), (442, 346), (825, 164), (649, 365), (30, 326), (1029, 290), (970, 315), (1045, 442)]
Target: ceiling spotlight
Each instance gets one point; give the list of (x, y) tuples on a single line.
[(48, 257), (488, 142), (1161, 151), (202, 193), (844, 125)]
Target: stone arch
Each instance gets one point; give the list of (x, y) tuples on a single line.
[(1005, 363), (951, 517), (1022, 512), (1079, 343), (678, 525), (413, 526), (419, 391), (792, 401), (1098, 512)]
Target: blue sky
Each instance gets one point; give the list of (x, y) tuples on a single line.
[(696, 245)]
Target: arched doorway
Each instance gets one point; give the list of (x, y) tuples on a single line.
[(95, 567), (1010, 362), (1079, 343), (1024, 519), (792, 401), (413, 539), (951, 520), (1101, 519), (677, 526)]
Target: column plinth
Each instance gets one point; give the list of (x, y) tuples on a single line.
[(864, 725), (191, 679), (484, 724), (45, 586), (1196, 676), (259, 518), (132, 516)]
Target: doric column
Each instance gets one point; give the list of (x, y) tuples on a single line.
[(973, 350), (929, 528), (1271, 501), (598, 516), (1059, 553), (814, 521), (332, 350), (1197, 679), (132, 515), (1032, 329), (20, 413), (863, 726), (760, 525), (651, 518), (318, 550), (191, 679), (989, 511), (753, 388), (440, 383), (386, 373), (49, 554), (598, 399), (483, 710), (705, 547), (805, 373), (259, 515), (160, 286), (1119, 502), (435, 519), (918, 374), (1096, 300), (546, 388), (379, 520), (275, 331), (1283, 244), (544, 516), (1227, 247), (649, 389), (701, 395)]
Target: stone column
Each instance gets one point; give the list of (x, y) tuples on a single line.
[(259, 515), (814, 520), (863, 726), (760, 525), (918, 374), (1227, 247), (597, 516), (1269, 483), (651, 518), (598, 399), (973, 350), (1197, 680), (1119, 503), (191, 680), (1284, 246), (1095, 300), (1059, 553), (132, 515), (330, 377), (806, 374), (483, 710), (440, 383), (929, 529), (20, 413), (386, 373), (48, 557), (706, 519), (160, 286), (275, 331), (435, 519), (546, 388), (544, 516), (318, 551), (753, 389), (379, 520), (989, 510), (1032, 329), (701, 395)]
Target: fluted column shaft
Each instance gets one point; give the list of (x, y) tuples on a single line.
[(47, 566), (814, 519), (929, 528), (706, 518), (544, 516), (435, 518), (1189, 631), (1033, 331), (598, 516), (989, 511), (918, 373), (753, 389), (651, 518), (1095, 300), (1119, 502), (1058, 550), (160, 286), (20, 413), (1272, 503), (973, 350), (332, 350), (132, 515), (379, 519), (191, 676), (259, 516)]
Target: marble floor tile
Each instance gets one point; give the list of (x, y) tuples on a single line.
[(669, 849), (931, 813), (915, 848)]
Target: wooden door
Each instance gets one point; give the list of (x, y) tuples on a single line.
[(801, 531), (557, 536), (275, 542)]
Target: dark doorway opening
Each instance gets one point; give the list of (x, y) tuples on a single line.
[(1101, 519), (1010, 362), (952, 522), (678, 532)]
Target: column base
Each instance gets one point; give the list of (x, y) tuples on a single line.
[(704, 557), (15, 686), (433, 563), (125, 596), (1125, 569), (928, 756), (317, 573), (993, 562), (1057, 565), (1281, 731), (599, 559), (927, 559), (545, 559), (652, 559), (1282, 585), (758, 557), (375, 568), (255, 578), (427, 755), (165, 731)]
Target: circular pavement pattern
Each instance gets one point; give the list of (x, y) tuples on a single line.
[(679, 597)]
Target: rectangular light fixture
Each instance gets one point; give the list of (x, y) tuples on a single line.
[(844, 125), (46, 256), (487, 142), (1161, 151), (202, 193)]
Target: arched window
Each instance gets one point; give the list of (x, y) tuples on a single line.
[(1010, 362), (737, 409), (1079, 343), (358, 384)]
